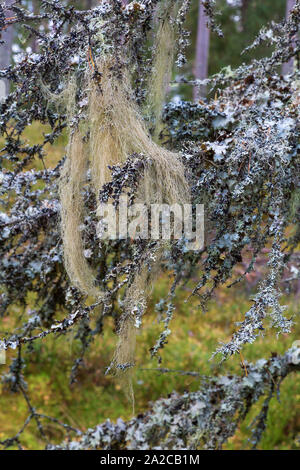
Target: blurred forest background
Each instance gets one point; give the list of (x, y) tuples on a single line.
[(96, 397)]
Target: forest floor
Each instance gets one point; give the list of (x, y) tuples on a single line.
[(195, 336)]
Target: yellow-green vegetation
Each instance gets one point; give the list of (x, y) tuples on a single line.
[(34, 135)]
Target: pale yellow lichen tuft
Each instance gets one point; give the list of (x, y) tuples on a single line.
[(116, 129)]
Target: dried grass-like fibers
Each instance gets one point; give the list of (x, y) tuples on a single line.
[(136, 296), (117, 129), (71, 185)]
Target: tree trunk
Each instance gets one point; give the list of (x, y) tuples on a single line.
[(34, 41), (288, 67), (244, 9), (6, 52), (202, 52)]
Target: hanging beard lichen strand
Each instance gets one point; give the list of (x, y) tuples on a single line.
[(134, 306), (167, 168), (116, 130), (71, 186), (117, 127), (72, 180)]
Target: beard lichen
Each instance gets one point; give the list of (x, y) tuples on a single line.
[(113, 129)]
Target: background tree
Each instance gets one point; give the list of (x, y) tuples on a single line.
[(288, 67), (244, 9), (239, 31), (202, 51), (6, 48)]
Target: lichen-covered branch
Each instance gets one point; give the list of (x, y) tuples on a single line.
[(203, 419)]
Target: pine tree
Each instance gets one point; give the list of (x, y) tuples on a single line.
[(6, 48)]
